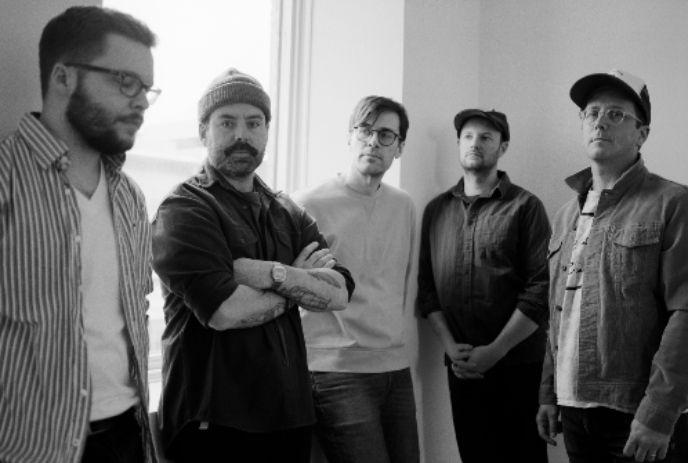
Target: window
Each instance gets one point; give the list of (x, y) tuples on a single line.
[(195, 44)]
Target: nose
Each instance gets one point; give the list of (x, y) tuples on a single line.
[(240, 131), (373, 139), (140, 101)]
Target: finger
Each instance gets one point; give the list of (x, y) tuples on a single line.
[(544, 426), (662, 454), (630, 447), (552, 423), (330, 263)]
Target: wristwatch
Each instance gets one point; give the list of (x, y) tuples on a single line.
[(279, 275)]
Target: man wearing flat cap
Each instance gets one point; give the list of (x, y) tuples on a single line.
[(235, 259), (482, 283), (615, 366)]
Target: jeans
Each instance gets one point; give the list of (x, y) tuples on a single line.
[(115, 440), (598, 435), (494, 417), (366, 417), (221, 444)]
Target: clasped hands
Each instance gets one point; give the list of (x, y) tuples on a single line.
[(470, 362)]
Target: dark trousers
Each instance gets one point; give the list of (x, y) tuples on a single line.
[(115, 440), (598, 435), (221, 444), (494, 417)]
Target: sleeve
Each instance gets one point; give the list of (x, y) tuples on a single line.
[(547, 392), (535, 232), (427, 300), (310, 233), (666, 395), (191, 255)]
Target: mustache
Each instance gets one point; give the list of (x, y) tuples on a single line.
[(240, 146), (132, 118)]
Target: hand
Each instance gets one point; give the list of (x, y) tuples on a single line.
[(645, 444), (462, 368), (309, 258), (485, 357), (546, 420)]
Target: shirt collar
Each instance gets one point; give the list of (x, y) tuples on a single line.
[(51, 151), (581, 181), (47, 148), (499, 191)]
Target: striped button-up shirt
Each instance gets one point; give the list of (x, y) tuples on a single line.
[(44, 377)]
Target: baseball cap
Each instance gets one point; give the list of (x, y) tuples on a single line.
[(497, 119), (631, 85)]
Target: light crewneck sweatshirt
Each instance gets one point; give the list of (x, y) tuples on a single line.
[(372, 236)]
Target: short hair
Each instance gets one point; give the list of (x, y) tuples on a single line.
[(372, 106), (78, 34)]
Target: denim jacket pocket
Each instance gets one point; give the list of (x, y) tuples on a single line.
[(635, 252)]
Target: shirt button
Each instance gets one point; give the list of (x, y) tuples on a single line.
[(76, 442), (77, 238), (83, 392)]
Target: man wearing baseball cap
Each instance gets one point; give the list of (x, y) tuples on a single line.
[(615, 366), (482, 282), (235, 259)]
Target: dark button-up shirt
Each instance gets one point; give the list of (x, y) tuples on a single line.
[(483, 258), (45, 387), (633, 335), (253, 379)]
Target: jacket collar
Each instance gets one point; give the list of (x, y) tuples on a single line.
[(581, 181), (498, 192), (209, 176)]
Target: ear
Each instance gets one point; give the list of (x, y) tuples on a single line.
[(503, 146), (63, 79), (643, 133), (400, 149), (202, 129)]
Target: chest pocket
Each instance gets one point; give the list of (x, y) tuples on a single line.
[(242, 242), (635, 251), (497, 244)]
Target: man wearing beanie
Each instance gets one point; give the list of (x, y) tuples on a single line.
[(482, 283), (615, 366), (235, 259)]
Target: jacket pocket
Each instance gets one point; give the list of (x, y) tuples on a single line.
[(635, 252)]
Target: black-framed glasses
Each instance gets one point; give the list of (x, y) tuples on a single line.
[(385, 137), (130, 85), (614, 116)]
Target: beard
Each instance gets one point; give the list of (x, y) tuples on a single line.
[(241, 165), (96, 124)]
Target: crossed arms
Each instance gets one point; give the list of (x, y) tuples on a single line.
[(310, 282)]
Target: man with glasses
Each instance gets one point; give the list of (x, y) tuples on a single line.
[(359, 365), (615, 365), (75, 251), (482, 282), (235, 258)]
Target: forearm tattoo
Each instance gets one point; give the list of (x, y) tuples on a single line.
[(306, 298), (261, 318), (324, 277)]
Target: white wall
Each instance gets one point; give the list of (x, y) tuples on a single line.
[(20, 30)]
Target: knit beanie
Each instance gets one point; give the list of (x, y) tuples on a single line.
[(233, 86)]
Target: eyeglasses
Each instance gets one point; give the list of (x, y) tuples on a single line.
[(614, 116), (384, 136), (130, 85)]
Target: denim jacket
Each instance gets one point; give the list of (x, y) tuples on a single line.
[(633, 335)]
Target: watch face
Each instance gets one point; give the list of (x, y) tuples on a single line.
[(279, 273)]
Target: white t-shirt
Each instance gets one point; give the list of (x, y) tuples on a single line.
[(112, 390)]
